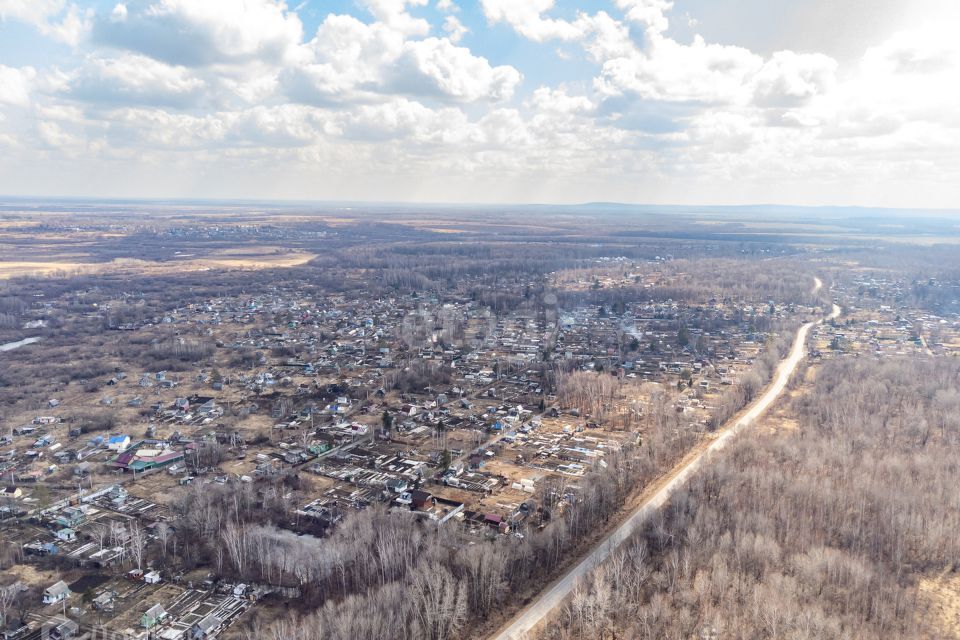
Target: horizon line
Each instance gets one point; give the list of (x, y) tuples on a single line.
[(7, 198)]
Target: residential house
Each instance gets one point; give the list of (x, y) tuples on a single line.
[(420, 499), (139, 459), (209, 408), (118, 443), (71, 517), (56, 593)]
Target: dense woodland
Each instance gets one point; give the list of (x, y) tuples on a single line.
[(818, 532)]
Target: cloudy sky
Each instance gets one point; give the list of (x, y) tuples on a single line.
[(650, 101)]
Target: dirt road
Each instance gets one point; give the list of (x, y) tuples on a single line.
[(535, 613)]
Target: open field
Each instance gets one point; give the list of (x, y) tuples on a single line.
[(941, 594), (267, 258)]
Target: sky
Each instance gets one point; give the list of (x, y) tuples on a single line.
[(816, 102)]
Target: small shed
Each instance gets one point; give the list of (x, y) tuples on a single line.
[(66, 535), (206, 628), (153, 616), (64, 629)]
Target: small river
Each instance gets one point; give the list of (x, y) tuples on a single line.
[(10, 346)]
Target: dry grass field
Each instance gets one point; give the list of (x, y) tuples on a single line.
[(942, 596), (267, 258)]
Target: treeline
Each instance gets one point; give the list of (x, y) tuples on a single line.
[(417, 377), (752, 381), (440, 265), (589, 392), (698, 280), (816, 533)]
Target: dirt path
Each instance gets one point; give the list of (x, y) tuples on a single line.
[(655, 496)]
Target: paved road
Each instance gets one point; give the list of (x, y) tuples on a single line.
[(553, 597)]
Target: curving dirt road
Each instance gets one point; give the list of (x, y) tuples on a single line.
[(553, 597)]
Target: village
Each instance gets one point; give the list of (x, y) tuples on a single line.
[(880, 322), (437, 405)]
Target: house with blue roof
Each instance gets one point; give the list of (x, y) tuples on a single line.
[(119, 443)]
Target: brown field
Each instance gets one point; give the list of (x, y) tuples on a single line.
[(18, 269), (942, 595), (33, 576), (271, 259)]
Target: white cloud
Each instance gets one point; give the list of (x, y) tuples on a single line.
[(53, 135), (909, 78), (789, 78), (203, 32), (61, 112), (394, 14), (394, 95), (15, 85), (356, 61), (670, 71), (454, 28), (652, 14), (34, 12), (526, 18), (605, 38), (119, 13), (157, 129), (437, 65), (136, 79), (546, 99), (73, 23), (346, 57), (407, 120)]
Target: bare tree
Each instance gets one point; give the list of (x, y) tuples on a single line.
[(137, 542), (440, 601)]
